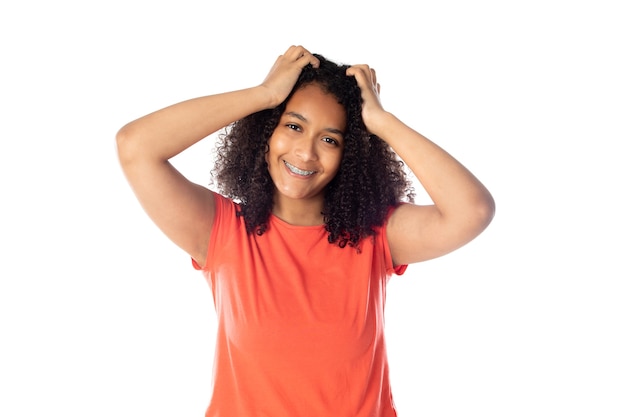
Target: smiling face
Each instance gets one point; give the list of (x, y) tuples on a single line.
[(306, 147)]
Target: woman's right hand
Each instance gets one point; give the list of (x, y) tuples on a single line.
[(145, 146), (285, 72)]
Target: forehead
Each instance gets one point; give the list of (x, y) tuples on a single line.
[(317, 105)]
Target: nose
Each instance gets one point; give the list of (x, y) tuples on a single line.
[(306, 150)]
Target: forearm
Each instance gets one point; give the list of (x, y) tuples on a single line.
[(167, 132), (449, 184)]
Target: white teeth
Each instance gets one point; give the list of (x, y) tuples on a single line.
[(298, 171)]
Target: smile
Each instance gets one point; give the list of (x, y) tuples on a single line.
[(298, 171)]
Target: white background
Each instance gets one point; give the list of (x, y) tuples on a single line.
[(100, 315)]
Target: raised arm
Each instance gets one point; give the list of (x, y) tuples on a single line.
[(462, 206), (183, 210)]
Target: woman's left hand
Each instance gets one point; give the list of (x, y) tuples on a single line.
[(370, 93)]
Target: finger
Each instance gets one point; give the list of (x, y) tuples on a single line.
[(365, 76), (375, 83), (307, 57), (294, 52), (363, 73), (301, 55), (358, 72)]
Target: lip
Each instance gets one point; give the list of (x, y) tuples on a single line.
[(294, 170)]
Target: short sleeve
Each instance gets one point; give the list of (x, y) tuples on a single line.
[(224, 210), (382, 238)]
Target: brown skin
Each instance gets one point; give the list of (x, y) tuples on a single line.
[(308, 137), (462, 207)]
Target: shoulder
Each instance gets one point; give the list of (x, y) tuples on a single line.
[(225, 205), (224, 221)]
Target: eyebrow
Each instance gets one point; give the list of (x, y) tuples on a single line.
[(304, 119)]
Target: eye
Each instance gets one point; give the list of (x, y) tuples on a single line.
[(330, 140), (293, 126)]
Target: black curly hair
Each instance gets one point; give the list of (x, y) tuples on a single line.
[(370, 180)]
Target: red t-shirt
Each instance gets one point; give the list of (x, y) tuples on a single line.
[(300, 321)]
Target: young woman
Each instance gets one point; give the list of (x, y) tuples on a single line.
[(313, 216)]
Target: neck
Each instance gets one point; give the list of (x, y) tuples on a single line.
[(299, 212)]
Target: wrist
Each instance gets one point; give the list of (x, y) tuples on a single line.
[(267, 97), (379, 123)]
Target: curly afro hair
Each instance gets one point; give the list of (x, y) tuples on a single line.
[(370, 180)]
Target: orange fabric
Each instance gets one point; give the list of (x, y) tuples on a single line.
[(300, 322)]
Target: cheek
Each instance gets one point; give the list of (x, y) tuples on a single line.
[(275, 146)]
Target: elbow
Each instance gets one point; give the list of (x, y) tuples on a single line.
[(126, 142), (485, 210)]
